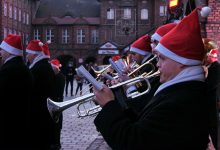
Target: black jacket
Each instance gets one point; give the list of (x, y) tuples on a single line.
[(175, 119), (15, 93)]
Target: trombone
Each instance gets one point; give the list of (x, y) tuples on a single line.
[(55, 108)]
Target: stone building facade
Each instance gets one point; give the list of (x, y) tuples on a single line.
[(79, 34), (16, 16)]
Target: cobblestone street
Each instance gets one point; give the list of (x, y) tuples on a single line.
[(80, 133)]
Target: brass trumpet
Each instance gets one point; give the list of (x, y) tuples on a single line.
[(55, 108)]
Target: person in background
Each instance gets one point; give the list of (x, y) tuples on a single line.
[(69, 78), (44, 79), (15, 90), (57, 97), (79, 81), (91, 71), (213, 81), (176, 118)]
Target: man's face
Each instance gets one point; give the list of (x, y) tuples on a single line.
[(4, 55), (137, 57), (168, 68)]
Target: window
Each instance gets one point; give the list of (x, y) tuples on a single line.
[(36, 34), (14, 31), (10, 11), (26, 39), (65, 36), (94, 36), (50, 35), (15, 13), (23, 17), (5, 32), (81, 36), (127, 13), (9, 31), (110, 13), (163, 10), (144, 14), (19, 15), (5, 9), (27, 19)]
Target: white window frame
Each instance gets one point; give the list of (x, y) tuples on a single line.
[(15, 13), (5, 9), (110, 14), (27, 19), (5, 32), (36, 34), (163, 10), (19, 15), (50, 35), (94, 36), (127, 13), (81, 37), (144, 14), (65, 36), (10, 11)]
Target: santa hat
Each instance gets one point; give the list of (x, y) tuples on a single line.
[(35, 47), (56, 63), (162, 30), (12, 44), (184, 43), (213, 55), (116, 58), (46, 50), (142, 45)]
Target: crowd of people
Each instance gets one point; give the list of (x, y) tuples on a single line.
[(179, 112)]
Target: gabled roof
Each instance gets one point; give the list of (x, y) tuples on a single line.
[(74, 8), (66, 21)]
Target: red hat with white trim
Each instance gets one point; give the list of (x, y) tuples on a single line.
[(12, 44), (184, 43), (142, 45), (56, 63), (213, 55), (162, 30), (35, 47), (46, 50)]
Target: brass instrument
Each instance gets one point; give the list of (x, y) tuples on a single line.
[(55, 108)]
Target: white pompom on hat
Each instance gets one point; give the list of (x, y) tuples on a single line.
[(12, 44), (35, 47), (184, 43)]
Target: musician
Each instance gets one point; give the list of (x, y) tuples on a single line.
[(141, 52), (57, 97), (176, 118), (15, 91), (213, 82), (44, 79)]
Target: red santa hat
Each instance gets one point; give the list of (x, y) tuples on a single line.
[(12, 44), (213, 55), (162, 30), (46, 50), (56, 63), (142, 45), (35, 47), (116, 58), (183, 43)]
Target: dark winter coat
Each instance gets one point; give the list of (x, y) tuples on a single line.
[(15, 92), (175, 119)]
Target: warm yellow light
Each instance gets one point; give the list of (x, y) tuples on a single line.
[(173, 3)]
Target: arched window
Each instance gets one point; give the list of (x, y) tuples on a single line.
[(144, 14)]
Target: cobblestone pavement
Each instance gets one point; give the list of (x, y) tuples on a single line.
[(80, 133)]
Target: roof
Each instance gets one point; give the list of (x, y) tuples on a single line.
[(67, 20), (74, 8)]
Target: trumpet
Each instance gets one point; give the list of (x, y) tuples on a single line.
[(55, 108)]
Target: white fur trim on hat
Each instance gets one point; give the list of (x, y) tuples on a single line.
[(33, 52), (141, 52), (156, 37), (5, 46), (205, 11), (166, 52)]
